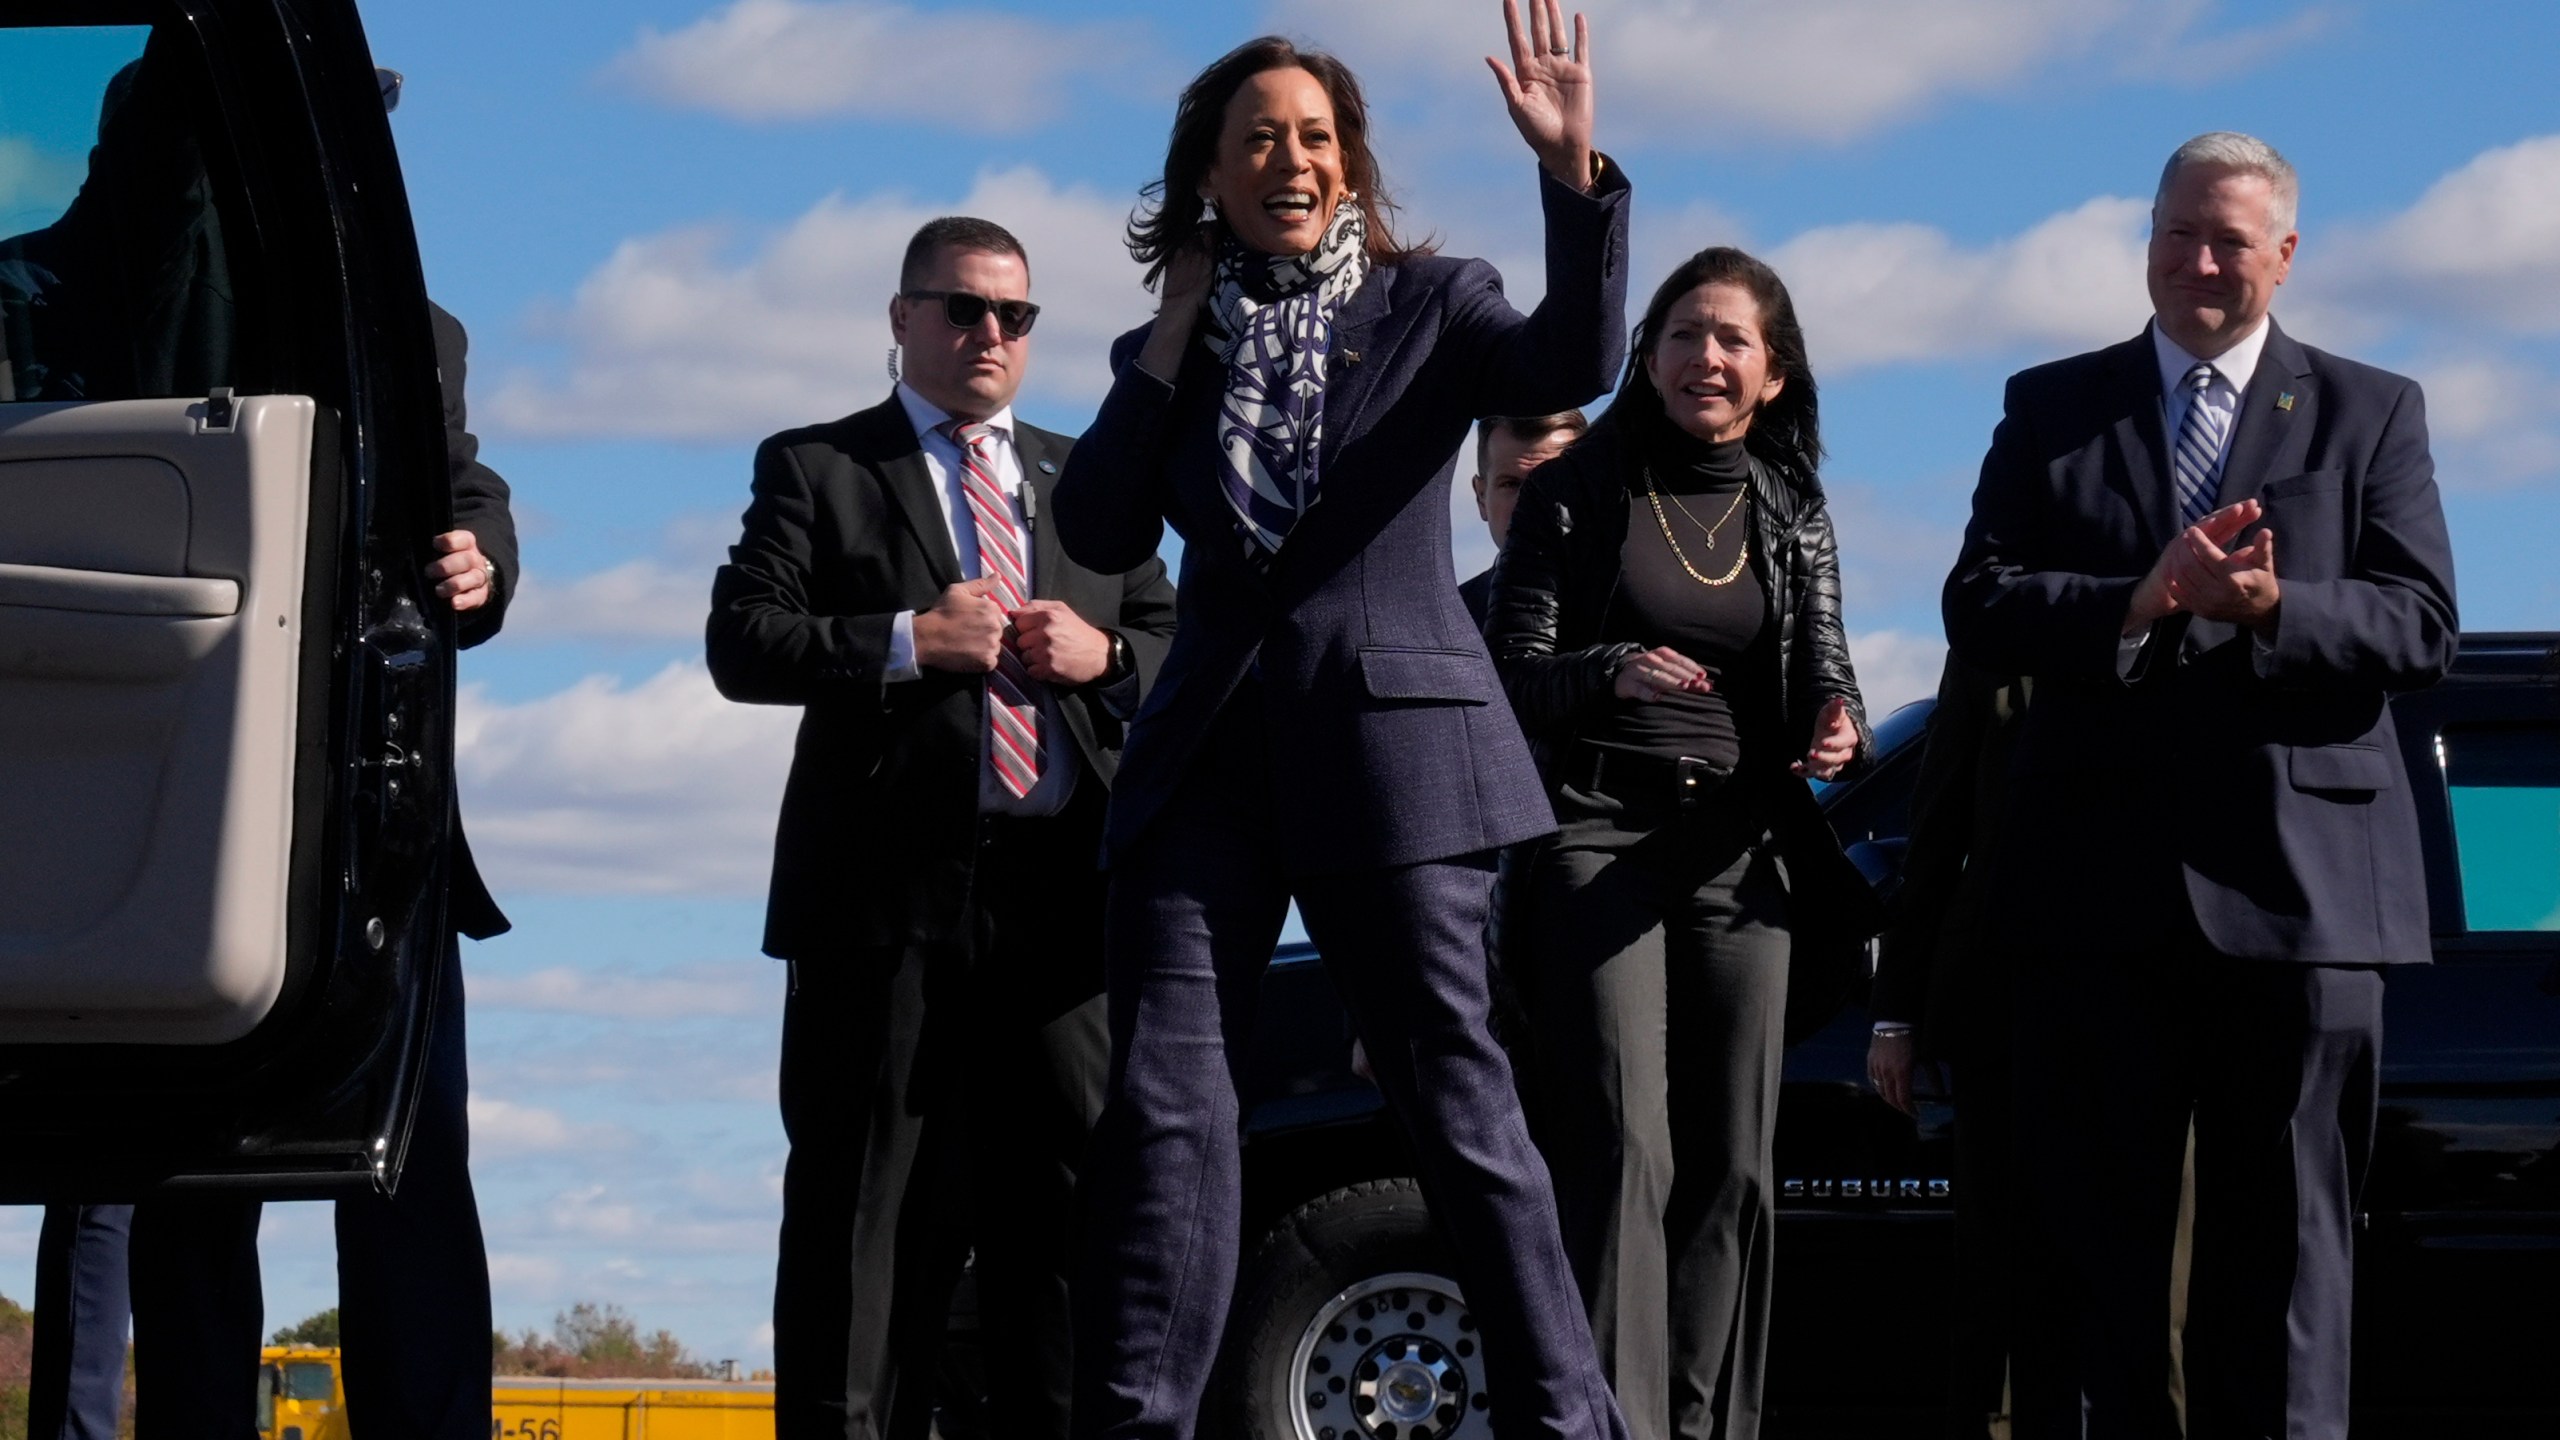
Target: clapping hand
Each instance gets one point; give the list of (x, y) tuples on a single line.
[(1548, 87), (2237, 586), (2173, 586), (1835, 742)]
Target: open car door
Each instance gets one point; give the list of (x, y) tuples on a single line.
[(225, 700)]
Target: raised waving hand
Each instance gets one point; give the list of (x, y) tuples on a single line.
[(1548, 87)]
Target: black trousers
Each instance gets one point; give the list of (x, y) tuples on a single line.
[(2274, 1065), (75, 1388), (2013, 1346), (413, 1286), (1660, 950), (938, 1098)]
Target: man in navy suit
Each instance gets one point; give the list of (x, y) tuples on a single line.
[(2219, 553)]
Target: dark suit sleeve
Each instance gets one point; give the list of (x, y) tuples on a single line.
[(1566, 351), (2391, 623), (1109, 498), (2007, 612), (1941, 829), (1146, 619), (766, 643), (480, 498)]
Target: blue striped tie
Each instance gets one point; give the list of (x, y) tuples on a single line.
[(2197, 466)]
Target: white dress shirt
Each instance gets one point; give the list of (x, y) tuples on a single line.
[(942, 458), (2231, 371)]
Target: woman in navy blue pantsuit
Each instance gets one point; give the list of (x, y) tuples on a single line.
[(1327, 727)]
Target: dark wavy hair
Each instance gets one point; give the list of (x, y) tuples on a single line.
[(1171, 211), (1785, 432)]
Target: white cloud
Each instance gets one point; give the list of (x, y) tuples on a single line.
[(642, 599), (1880, 294), (2484, 240), (977, 70), (501, 1128), (659, 787), (678, 336), (693, 991), (513, 1271), (2493, 422), (1896, 667), (1701, 71)]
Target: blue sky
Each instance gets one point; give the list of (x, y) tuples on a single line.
[(671, 227)]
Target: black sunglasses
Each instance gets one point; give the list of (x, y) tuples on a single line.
[(965, 310)]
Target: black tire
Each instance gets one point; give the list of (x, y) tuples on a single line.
[(1349, 1325)]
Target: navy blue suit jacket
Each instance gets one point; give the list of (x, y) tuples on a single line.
[(2253, 789), (1390, 740)]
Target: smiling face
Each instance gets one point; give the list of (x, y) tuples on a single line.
[(970, 373), (1277, 175), (1711, 364), (2216, 256)]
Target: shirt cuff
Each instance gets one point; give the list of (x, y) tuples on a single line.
[(902, 649), (2129, 650)]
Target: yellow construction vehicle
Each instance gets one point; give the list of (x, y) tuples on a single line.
[(301, 1397)]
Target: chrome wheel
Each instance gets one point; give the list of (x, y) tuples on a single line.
[(1394, 1357)]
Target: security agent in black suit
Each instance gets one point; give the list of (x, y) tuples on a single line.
[(1941, 997), (2214, 851), (943, 1048), (413, 1276), (1508, 447)]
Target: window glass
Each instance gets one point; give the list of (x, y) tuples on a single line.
[(306, 1380), (2505, 785), (115, 277)]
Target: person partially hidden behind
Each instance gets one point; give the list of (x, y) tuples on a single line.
[(935, 880), (1941, 997), (1508, 447), (2217, 553), (413, 1273)]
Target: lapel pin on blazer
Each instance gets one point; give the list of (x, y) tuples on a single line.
[(1050, 467), (2284, 400), (1350, 357)]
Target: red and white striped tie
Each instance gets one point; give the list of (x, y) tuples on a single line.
[(1013, 711)]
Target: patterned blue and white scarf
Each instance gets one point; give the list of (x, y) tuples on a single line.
[(1271, 325)]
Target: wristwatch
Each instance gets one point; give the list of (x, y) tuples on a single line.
[(1122, 664)]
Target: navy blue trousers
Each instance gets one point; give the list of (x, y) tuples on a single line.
[(76, 1385), (2274, 1066), (1195, 910), (413, 1287)]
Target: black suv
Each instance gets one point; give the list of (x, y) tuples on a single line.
[(2457, 1263)]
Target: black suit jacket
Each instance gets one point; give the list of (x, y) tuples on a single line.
[(479, 506), (1932, 969), (879, 820), (2254, 792)]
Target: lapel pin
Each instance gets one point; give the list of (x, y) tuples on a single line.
[(1350, 357), (2284, 400), (1050, 467)]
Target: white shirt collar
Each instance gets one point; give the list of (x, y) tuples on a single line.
[(928, 417), (2234, 365)]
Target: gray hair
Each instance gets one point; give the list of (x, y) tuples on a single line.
[(2231, 150)]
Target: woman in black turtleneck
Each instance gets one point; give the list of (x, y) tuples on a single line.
[(1666, 617)]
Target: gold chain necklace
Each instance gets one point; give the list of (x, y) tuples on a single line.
[(1663, 518)]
